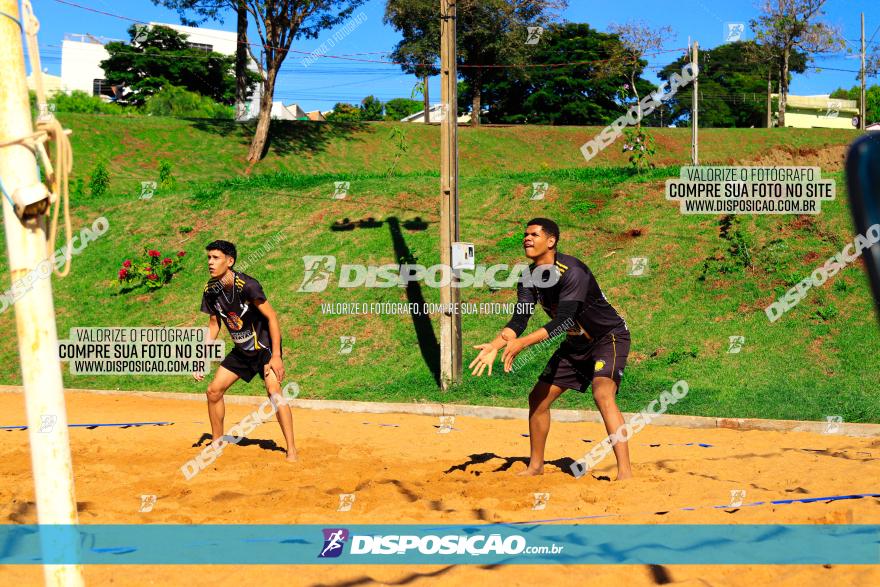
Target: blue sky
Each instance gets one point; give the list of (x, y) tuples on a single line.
[(327, 81)]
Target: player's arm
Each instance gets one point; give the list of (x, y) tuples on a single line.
[(571, 296), (275, 362), (525, 306), (213, 328)]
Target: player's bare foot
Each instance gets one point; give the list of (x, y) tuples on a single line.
[(291, 457), (623, 475), (531, 472)]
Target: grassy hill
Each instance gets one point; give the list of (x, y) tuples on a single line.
[(822, 358)]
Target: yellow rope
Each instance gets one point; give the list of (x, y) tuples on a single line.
[(48, 130)]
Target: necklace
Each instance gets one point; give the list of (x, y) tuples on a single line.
[(222, 290)]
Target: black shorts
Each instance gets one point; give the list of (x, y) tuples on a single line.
[(574, 369), (246, 365)]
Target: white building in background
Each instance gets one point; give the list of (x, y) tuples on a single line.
[(81, 57), (435, 116), (289, 112)]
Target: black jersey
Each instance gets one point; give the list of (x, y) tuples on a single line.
[(574, 303), (248, 327)]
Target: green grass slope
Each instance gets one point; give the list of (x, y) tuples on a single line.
[(822, 358)]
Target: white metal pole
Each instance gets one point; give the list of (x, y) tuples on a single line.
[(34, 312)]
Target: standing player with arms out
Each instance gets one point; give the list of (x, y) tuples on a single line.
[(239, 301), (594, 351)]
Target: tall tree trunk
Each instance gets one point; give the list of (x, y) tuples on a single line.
[(426, 99), (476, 106), (241, 55), (261, 135), (783, 84), (769, 100), (636, 92)]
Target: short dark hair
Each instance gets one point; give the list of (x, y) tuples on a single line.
[(225, 247), (550, 227)]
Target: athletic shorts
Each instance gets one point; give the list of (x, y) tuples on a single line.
[(246, 365), (575, 369)]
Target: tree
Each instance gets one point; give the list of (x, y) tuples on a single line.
[(400, 108), (371, 108), (636, 40), (278, 23), (733, 82), (489, 33), (158, 56), (580, 94), (419, 49), (494, 32), (343, 112), (789, 25), (213, 10)]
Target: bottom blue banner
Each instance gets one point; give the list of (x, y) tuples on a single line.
[(446, 544)]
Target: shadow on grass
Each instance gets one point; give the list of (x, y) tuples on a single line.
[(428, 344), (285, 136)]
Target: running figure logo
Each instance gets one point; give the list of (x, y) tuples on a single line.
[(47, 422), (446, 424), (735, 344), (736, 497), (147, 503), (346, 344), (539, 190), (541, 500), (334, 542), (833, 424), (318, 269), (340, 189), (346, 500), (735, 32), (534, 35), (638, 266), (148, 188)]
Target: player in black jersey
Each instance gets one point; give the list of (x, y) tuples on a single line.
[(237, 300), (594, 351)]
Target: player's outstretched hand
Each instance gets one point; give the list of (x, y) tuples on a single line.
[(512, 349), (198, 376), (277, 366), (484, 359)]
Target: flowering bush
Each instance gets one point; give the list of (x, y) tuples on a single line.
[(153, 270), (640, 144)]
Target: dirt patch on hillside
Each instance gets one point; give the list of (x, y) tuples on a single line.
[(828, 158)]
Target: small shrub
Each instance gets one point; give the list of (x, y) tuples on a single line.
[(181, 103), (640, 145), (99, 180), (167, 181)]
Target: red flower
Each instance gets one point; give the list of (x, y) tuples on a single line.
[(167, 261), (123, 273), (152, 277), (153, 253), (180, 253), (126, 264)]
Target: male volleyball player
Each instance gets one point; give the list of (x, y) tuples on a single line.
[(238, 301), (594, 351)]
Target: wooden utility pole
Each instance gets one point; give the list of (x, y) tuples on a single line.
[(695, 113), (450, 319), (34, 311), (862, 106)]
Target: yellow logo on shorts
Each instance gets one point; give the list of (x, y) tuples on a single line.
[(599, 364)]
